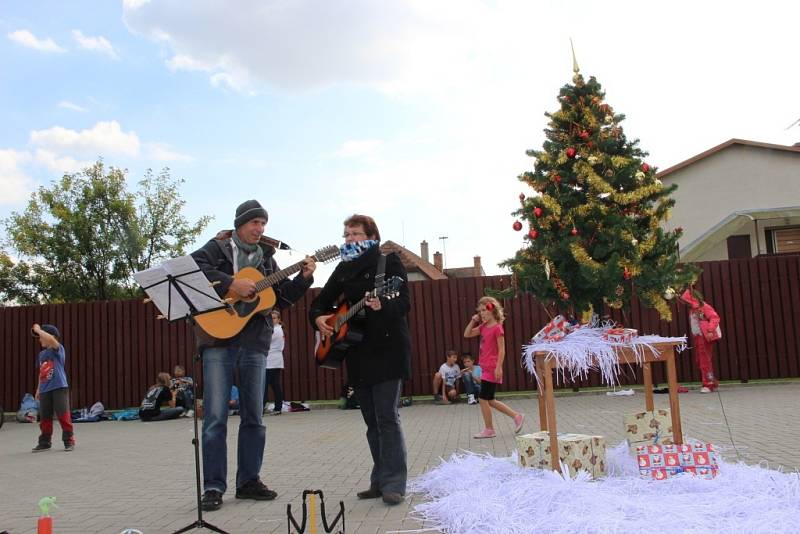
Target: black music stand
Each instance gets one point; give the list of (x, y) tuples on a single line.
[(178, 289)]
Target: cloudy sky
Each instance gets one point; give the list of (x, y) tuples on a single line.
[(417, 112)]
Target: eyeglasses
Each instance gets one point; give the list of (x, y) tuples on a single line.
[(353, 234)]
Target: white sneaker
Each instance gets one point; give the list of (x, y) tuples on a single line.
[(705, 390), (471, 399), (189, 413)]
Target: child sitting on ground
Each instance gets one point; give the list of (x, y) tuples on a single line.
[(184, 385), (160, 394), (471, 378), (444, 381)]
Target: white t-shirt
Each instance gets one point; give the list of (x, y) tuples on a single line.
[(275, 354), (449, 374)]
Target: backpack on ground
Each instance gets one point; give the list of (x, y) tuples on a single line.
[(28, 409)]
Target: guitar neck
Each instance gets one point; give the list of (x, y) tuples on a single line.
[(354, 309), (276, 277)]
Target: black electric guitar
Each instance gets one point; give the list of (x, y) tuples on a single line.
[(226, 323), (331, 350)]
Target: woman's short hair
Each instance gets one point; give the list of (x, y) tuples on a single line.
[(163, 379), (370, 228)]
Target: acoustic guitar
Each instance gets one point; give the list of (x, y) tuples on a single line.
[(229, 321), (331, 350)]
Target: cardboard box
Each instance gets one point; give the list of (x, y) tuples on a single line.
[(579, 451), (620, 335), (648, 428), (664, 461), (555, 330)]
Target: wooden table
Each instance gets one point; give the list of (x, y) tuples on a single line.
[(547, 405)]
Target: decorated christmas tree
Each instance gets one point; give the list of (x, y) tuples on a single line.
[(592, 227)]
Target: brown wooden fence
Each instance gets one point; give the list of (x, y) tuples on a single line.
[(115, 349)]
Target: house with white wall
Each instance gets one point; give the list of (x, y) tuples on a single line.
[(737, 200)]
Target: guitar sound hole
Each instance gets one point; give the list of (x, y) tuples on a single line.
[(243, 308)]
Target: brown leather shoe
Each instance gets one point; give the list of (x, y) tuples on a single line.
[(392, 498), (371, 493)]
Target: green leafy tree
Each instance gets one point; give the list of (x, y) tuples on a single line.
[(82, 238), (593, 232)]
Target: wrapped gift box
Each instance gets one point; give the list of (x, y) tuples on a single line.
[(664, 461), (580, 452), (556, 329), (648, 428), (620, 335)]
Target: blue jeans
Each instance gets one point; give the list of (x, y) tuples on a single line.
[(470, 386), (218, 368), (384, 435)]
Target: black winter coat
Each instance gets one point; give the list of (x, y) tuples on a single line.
[(215, 259), (385, 351)]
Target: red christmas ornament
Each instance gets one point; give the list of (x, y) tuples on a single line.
[(533, 233), (521, 197), (574, 231), (570, 152), (583, 134), (626, 274), (537, 211), (517, 226), (557, 178), (645, 167), (589, 144)]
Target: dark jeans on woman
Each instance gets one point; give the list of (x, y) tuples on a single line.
[(384, 435), (274, 380)]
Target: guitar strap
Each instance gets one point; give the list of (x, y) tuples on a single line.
[(380, 274)]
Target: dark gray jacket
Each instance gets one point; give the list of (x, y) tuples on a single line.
[(215, 259)]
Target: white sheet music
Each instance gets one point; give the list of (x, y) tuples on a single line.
[(166, 297)]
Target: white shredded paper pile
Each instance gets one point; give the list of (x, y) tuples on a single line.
[(480, 494), (584, 349)]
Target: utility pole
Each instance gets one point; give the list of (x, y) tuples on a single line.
[(444, 251)]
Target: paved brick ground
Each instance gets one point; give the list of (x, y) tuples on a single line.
[(141, 475)]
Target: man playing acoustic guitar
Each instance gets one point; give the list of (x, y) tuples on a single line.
[(378, 365), (220, 260)]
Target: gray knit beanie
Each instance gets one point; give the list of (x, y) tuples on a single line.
[(249, 210)]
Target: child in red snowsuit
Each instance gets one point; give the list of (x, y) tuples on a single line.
[(705, 331)]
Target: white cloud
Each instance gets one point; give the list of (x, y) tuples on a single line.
[(96, 44), (356, 148), (60, 164), (27, 39), (14, 183), (163, 152), (104, 138), (70, 105), (307, 44)]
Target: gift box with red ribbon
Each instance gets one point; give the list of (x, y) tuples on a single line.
[(556, 329), (664, 461), (620, 335)]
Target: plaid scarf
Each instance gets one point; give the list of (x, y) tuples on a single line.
[(353, 251)]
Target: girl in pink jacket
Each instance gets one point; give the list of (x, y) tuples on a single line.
[(705, 331)]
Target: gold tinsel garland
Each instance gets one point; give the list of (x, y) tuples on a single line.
[(583, 258), (551, 205), (656, 301), (619, 162), (635, 196)]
